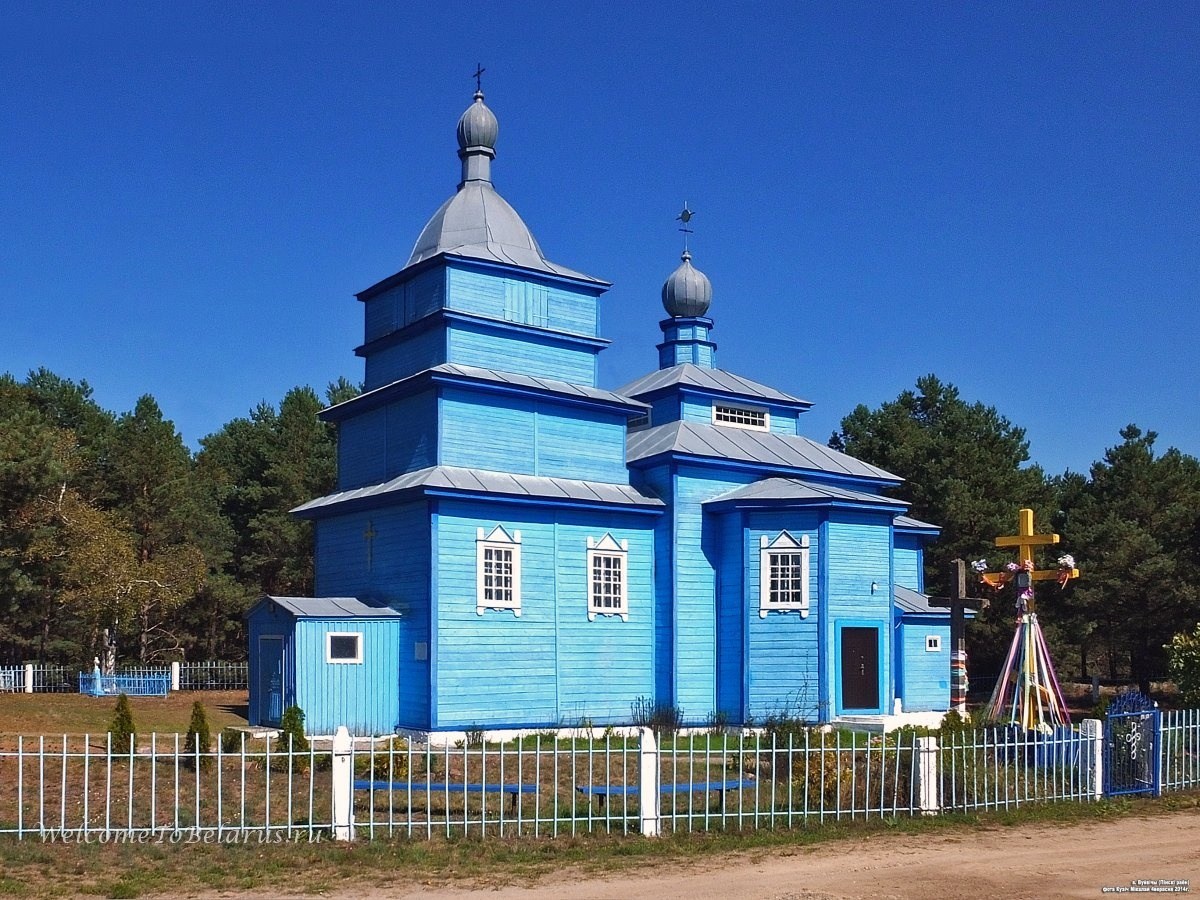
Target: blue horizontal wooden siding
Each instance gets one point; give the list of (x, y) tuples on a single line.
[(696, 556), (388, 441), (907, 566), (783, 421), (361, 448), (526, 353), (664, 410), (526, 300), (859, 551), (604, 665), (487, 431), (693, 409), (659, 481), (415, 353), (392, 567), (495, 669), (580, 443), (783, 650), (925, 682), (361, 696), (404, 303)]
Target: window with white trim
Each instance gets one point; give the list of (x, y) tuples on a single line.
[(753, 418), (498, 570), (783, 575), (343, 647), (608, 570), (933, 643)]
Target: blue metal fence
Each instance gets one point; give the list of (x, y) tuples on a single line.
[(147, 683)]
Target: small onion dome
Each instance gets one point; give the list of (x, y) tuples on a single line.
[(688, 292), (477, 127)]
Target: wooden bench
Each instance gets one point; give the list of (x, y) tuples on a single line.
[(428, 788), (603, 791)]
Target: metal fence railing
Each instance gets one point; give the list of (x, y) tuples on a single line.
[(1179, 749), (542, 785), (42, 678)]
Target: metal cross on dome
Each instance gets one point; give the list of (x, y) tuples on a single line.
[(478, 76), (685, 217)]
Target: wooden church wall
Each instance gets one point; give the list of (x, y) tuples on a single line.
[(859, 553), (659, 481), (404, 303), (524, 352), (924, 675), (388, 441), (526, 301), (782, 651), (362, 696), (907, 562), (415, 353), (395, 573), (532, 437), (549, 666), (697, 554)]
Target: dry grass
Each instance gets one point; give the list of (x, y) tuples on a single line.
[(46, 714)]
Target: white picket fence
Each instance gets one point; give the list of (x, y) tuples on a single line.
[(79, 787), (211, 675)]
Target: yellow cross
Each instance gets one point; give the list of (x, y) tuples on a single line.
[(1025, 541)]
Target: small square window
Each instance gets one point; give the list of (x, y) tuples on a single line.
[(343, 647), (933, 643)]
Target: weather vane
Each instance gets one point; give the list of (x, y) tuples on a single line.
[(478, 76), (685, 217)]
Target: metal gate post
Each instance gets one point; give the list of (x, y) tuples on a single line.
[(1093, 761)]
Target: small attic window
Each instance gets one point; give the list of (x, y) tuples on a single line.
[(933, 643), (343, 647), (637, 423), (752, 418)]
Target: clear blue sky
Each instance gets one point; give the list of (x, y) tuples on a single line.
[(1006, 195)]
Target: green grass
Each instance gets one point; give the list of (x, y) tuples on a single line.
[(39, 871)]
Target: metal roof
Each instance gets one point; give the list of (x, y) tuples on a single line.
[(798, 489), (911, 601), (500, 483), (718, 380), (548, 385), (915, 524), (765, 447), (332, 608)]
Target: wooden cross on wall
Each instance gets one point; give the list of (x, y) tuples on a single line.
[(958, 602), (369, 536)]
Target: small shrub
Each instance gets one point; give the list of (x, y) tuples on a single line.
[(231, 740), (291, 724), (1184, 656), (718, 723), (383, 761), (199, 737), (663, 719), (474, 738), (124, 735)]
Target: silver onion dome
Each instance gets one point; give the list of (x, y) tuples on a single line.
[(688, 292), (477, 127)]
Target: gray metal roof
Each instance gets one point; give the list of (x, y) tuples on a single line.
[(691, 375), (499, 483), (917, 524), (911, 601), (332, 608), (765, 447), (798, 489), (549, 385)]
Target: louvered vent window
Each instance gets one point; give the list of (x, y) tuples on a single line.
[(741, 417)]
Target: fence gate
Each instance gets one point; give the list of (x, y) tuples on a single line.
[(1131, 733)]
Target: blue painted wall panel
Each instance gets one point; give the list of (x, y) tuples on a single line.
[(382, 443), (549, 666), (404, 303), (527, 301), (925, 680), (392, 567), (580, 443), (524, 354), (783, 650), (362, 696), (908, 567), (731, 618), (414, 354)]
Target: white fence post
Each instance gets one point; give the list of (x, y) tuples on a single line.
[(343, 785), (1093, 749), (29, 678), (927, 776), (175, 675), (648, 783)]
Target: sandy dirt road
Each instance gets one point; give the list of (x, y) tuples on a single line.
[(1026, 861)]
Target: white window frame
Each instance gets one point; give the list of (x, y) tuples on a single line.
[(497, 541), (358, 642), (608, 548), (933, 643), (741, 408), (783, 544)]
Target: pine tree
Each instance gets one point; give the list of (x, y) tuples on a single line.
[(199, 737), (122, 729)]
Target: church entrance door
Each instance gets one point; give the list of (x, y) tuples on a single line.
[(860, 668), (270, 679)]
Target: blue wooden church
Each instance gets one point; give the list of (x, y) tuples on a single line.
[(513, 546)]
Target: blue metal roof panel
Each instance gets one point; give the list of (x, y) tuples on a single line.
[(332, 608), (915, 524), (500, 483), (766, 447), (716, 380)]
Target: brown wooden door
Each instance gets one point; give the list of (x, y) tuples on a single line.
[(860, 668)]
